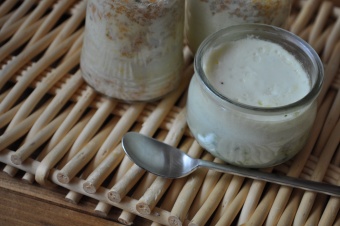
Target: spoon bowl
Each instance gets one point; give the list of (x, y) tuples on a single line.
[(157, 157), (166, 161)]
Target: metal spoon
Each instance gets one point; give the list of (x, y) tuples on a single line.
[(166, 161)]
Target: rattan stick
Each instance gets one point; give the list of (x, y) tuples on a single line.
[(135, 172), (151, 197), (103, 170), (6, 117), (329, 148), (305, 15), (299, 161), (69, 171), (212, 201), (59, 150), (53, 108), (104, 167), (70, 26), (288, 215), (320, 21), (38, 139), (127, 204), (330, 211), (43, 88), (186, 197), (52, 19), (127, 217), (58, 101), (332, 41), (34, 71), (324, 160), (177, 185), (316, 211), (305, 32), (7, 32), (188, 193), (149, 127), (91, 128), (231, 193), (259, 215), (336, 158), (19, 13), (31, 166), (208, 185), (71, 119), (291, 19), (252, 199), (120, 189), (20, 129), (123, 125), (10, 170), (4, 19), (231, 211), (331, 71), (102, 208), (38, 12), (320, 43), (76, 45), (16, 41), (328, 126), (337, 220), (25, 56), (7, 6), (77, 111)]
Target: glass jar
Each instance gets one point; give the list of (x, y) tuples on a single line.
[(252, 134), (133, 50), (204, 17)]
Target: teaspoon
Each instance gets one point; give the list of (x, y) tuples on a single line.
[(166, 161)]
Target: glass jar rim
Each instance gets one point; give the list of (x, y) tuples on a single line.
[(249, 29)]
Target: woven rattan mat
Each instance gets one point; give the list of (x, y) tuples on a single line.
[(57, 130)]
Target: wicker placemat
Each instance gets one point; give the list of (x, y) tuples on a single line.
[(59, 131)]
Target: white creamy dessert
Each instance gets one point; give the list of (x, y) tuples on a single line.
[(204, 17), (258, 74), (133, 50)]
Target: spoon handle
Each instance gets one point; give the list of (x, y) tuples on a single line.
[(315, 186)]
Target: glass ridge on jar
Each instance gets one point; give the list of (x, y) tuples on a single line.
[(133, 50), (204, 17), (246, 135)]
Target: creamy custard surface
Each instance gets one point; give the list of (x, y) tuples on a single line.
[(257, 73)]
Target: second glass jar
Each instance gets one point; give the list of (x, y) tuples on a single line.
[(204, 17)]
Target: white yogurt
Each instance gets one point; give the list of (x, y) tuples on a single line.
[(254, 76), (133, 50), (256, 73)]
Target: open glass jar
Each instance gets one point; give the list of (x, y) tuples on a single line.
[(204, 17), (252, 135), (133, 50)]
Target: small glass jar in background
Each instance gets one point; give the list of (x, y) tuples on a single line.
[(245, 134), (133, 50), (204, 17)]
